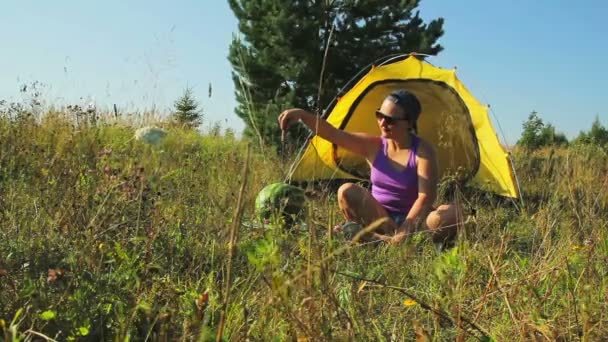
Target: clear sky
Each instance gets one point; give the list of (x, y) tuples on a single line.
[(517, 56)]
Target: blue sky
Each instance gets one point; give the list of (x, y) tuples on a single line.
[(517, 56)]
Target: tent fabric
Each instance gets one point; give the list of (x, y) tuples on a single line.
[(455, 123)]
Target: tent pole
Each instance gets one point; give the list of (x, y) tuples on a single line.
[(521, 196), (511, 164)]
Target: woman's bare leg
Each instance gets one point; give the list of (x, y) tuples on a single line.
[(445, 222), (358, 205)]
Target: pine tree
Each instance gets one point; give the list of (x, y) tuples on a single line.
[(186, 110), (278, 57)]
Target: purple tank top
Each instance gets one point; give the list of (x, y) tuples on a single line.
[(395, 190)]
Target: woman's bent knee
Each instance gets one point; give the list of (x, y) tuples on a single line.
[(433, 220), (346, 191), (445, 221)]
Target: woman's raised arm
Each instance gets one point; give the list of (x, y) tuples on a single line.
[(363, 144)]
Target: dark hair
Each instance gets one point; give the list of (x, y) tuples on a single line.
[(409, 103)]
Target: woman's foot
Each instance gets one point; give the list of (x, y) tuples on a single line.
[(348, 229)]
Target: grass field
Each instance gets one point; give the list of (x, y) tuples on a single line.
[(103, 237)]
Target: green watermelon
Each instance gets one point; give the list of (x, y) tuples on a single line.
[(280, 198)]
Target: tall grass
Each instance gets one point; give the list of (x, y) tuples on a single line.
[(103, 237)]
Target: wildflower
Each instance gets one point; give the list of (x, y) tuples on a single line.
[(409, 302), (104, 152)]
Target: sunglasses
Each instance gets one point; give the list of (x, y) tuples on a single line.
[(388, 119)]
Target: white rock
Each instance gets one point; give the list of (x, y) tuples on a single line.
[(150, 134)]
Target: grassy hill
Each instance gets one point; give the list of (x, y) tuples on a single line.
[(103, 237)]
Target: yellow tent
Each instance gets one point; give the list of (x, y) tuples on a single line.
[(452, 120)]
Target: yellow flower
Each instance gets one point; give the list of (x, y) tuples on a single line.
[(409, 302)]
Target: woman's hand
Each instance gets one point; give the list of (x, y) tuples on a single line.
[(289, 117), (398, 238), (406, 229), (391, 240)]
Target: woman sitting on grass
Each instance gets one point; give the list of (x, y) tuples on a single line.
[(403, 172)]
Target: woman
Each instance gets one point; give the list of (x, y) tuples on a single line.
[(403, 172)]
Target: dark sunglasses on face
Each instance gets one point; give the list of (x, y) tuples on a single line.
[(388, 119)]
